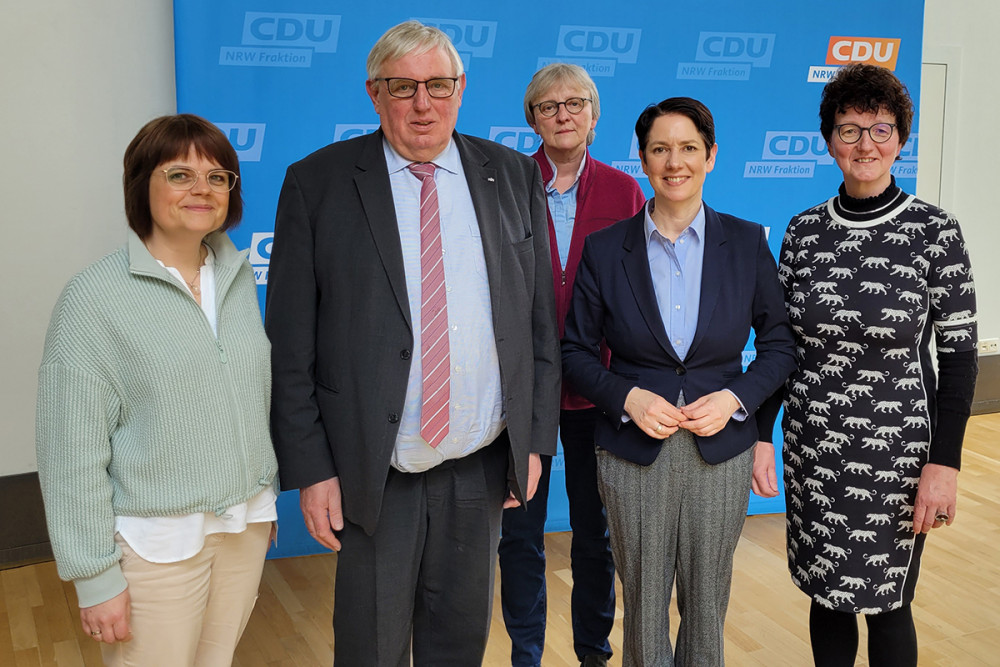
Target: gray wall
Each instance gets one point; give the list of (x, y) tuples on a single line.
[(79, 78), (962, 35)]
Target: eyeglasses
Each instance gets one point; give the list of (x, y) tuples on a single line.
[(850, 133), (184, 178), (550, 108), (406, 88)]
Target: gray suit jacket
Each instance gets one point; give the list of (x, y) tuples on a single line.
[(339, 322)]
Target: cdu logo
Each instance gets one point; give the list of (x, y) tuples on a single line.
[(736, 47), (789, 155), (318, 32), (906, 166), (619, 44), (881, 51), (344, 131), (522, 139), (475, 38), (632, 166), (796, 146), (909, 152), (246, 138), (260, 255), (260, 248)]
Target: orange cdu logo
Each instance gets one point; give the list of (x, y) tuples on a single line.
[(881, 51)]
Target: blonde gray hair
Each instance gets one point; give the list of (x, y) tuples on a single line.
[(409, 37), (566, 74)]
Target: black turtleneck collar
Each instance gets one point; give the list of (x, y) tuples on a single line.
[(869, 208)]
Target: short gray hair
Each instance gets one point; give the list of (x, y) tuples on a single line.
[(409, 37), (561, 73)]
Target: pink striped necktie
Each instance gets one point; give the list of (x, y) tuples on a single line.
[(434, 354)]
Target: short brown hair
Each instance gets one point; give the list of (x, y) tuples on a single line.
[(166, 138), (866, 89), (682, 106)]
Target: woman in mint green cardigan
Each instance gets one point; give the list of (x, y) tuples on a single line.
[(154, 452)]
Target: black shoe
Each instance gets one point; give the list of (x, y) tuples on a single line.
[(594, 661)]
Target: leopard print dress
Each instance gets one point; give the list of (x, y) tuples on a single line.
[(866, 294)]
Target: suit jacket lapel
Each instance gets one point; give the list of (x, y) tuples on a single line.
[(713, 272), (636, 264), (482, 180), (372, 180)]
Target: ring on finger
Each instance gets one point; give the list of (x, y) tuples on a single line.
[(95, 633), (941, 516), (659, 427)]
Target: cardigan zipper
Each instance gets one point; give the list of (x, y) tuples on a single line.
[(241, 440)]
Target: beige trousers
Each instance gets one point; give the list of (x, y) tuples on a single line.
[(191, 612)]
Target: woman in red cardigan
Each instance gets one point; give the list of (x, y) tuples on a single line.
[(561, 104)]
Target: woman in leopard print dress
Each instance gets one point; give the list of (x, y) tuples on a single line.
[(872, 435)]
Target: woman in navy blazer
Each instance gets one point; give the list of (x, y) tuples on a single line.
[(675, 291)]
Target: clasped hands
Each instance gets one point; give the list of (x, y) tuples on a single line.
[(659, 418)]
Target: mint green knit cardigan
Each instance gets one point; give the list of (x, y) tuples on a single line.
[(142, 411)]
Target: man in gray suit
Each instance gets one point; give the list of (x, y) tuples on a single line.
[(415, 358)]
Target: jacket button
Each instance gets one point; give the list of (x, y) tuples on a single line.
[(393, 418), (404, 354), (680, 370)]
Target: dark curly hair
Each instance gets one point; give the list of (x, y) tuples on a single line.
[(167, 138), (866, 89)]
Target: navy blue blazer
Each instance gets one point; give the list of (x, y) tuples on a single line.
[(613, 300)]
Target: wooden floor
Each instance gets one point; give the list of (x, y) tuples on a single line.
[(957, 608)]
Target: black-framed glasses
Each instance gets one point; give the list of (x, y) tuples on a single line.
[(850, 133), (550, 108), (184, 178), (406, 88)]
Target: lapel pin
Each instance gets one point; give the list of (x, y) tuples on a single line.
[(490, 179)]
